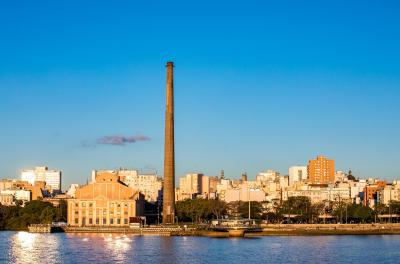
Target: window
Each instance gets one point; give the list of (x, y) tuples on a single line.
[(125, 221), (76, 212), (118, 221), (76, 220), (104, 221), (111, 221), (90, 221), (97, 221), (90, 204), (83, 220), (83, 204)]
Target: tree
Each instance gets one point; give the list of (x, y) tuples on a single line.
[(255, 210), (300, 206), (218, 208), (199, 210), (359, 213), (34, 212)]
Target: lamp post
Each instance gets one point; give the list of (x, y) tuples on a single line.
[(390, 209), (248, 195)]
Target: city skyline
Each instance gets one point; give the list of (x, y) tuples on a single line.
[(268, 94)]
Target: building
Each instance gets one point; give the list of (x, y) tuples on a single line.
[(205, 186), (388, 194), (23, 196), (297, 173), (370, 192), (150, 185), (340, 176), (105, 202), (213, 183), (7, 199), (321, 170), (191, 183), (72, 190), (321, 193), (267, 176), (244, 194), (52, 178), (37, 190)]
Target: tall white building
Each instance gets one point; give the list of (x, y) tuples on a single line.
[(297, 174), (52, 178), (191, 183)]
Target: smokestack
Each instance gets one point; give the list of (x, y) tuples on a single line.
[(169, 154)]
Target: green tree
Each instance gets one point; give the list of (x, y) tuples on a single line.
[(300, 206), (34, 212), (199, 210), (359, 213), (255, 210)]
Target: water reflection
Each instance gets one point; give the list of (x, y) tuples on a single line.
[(29, 247), (24, 247), (118, 246), (169, 249)]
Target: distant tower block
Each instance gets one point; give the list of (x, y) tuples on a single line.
[(169, 154), (244, 176), (222, 175)]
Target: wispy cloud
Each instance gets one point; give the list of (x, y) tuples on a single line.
[(115, 140), (121, 140)]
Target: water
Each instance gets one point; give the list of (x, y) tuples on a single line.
[(22, 247)]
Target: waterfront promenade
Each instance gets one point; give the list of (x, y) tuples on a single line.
[(328, 229), (266, 230)]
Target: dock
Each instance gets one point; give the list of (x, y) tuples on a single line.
[(44, 228)]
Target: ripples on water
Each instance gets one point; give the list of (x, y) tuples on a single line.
[(23, 247)]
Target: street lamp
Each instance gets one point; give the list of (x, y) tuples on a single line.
[(390, 209)]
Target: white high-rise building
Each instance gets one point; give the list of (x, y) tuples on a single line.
[(191, 184), (52, 178), (297, 174)]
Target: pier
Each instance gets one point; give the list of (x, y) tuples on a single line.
[(235, 227), (44, 228)]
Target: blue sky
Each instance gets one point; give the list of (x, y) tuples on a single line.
[(258, 84)]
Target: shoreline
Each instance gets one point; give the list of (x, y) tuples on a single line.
[(266, 230)]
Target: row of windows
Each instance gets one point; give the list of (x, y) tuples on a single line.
[(117, 221), (104, 212), (112, 204)]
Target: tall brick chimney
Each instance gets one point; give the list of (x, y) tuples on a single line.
[(169, 153)]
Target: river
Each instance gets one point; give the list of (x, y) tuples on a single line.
[(23, 247)]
